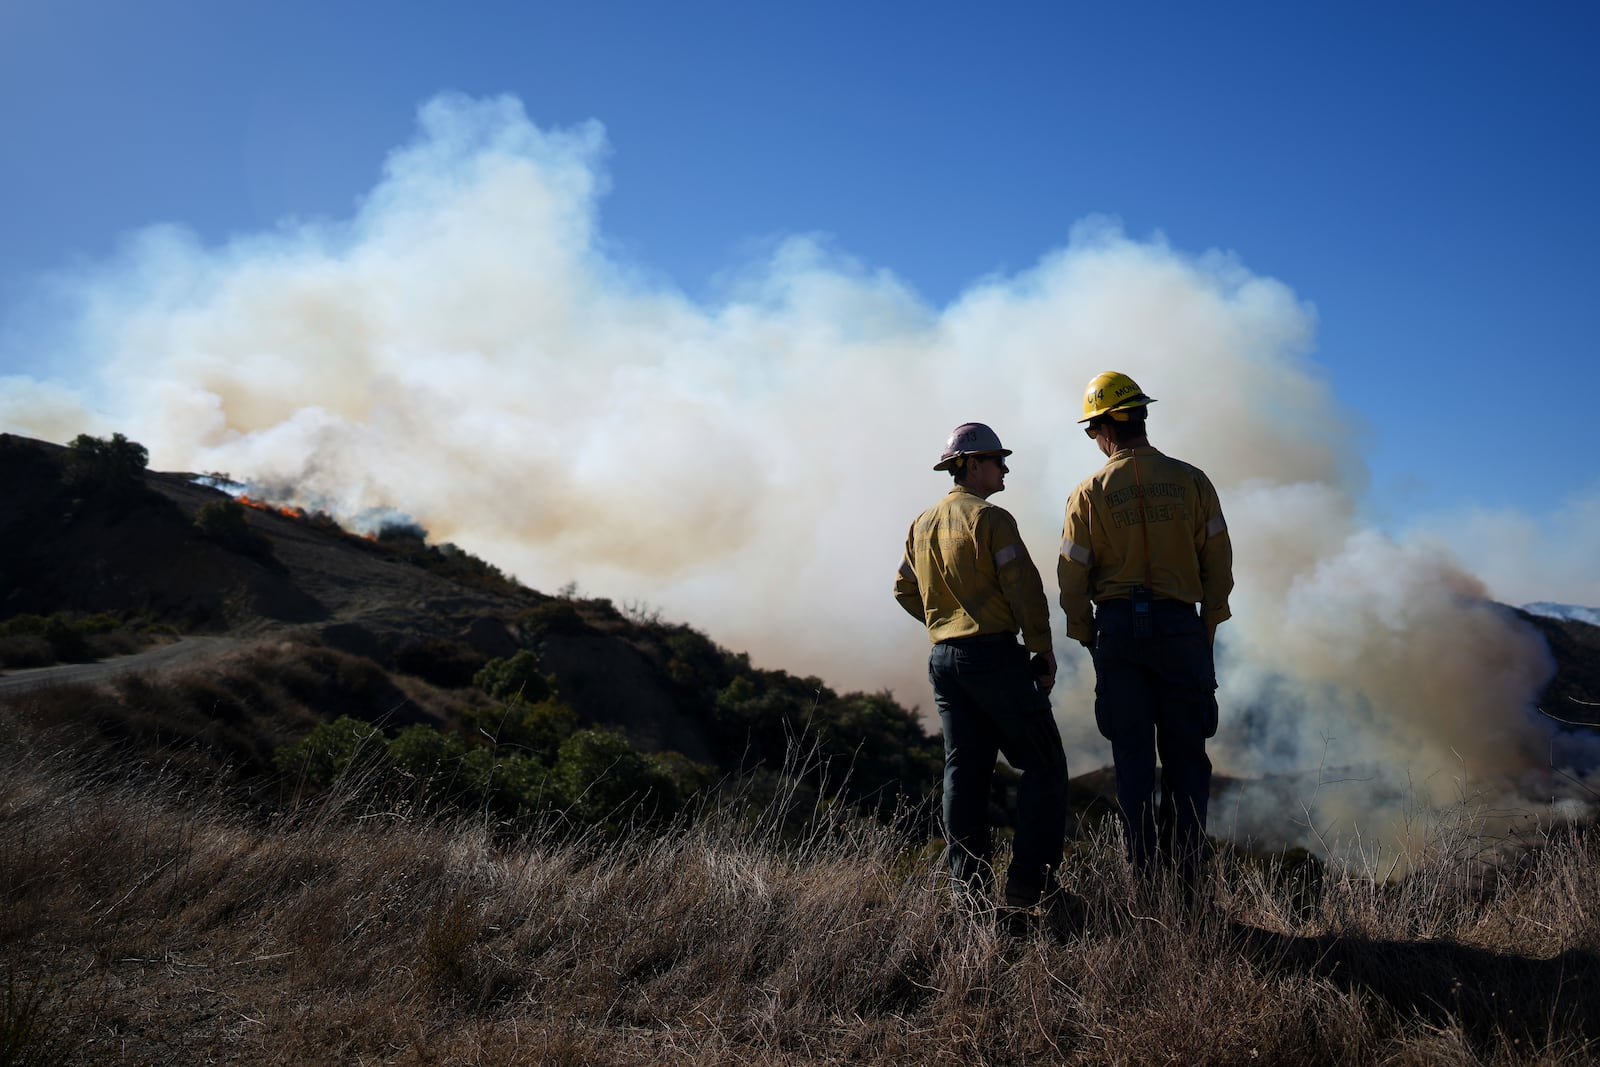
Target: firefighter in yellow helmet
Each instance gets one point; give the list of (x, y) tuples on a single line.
[(967, 577), (1145, 570)]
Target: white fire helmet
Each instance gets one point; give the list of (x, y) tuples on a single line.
[(970, 439)]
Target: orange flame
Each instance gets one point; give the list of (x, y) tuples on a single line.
[(261, 505)]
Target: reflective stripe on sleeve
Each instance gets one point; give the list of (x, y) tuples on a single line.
[(1076, 552), (1216, 526), (1006, 555)]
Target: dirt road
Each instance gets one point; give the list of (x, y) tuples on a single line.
[(183, 651)]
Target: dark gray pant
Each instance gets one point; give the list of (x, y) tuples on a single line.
[(1155, 696), (988, 704)]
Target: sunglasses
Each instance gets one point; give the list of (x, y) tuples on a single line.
[(1092, 430)]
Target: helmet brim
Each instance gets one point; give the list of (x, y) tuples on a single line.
[(1137, 402), (950, 461)]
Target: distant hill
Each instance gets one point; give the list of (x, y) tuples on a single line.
[(391, 601), (393, 630), (1564, 611), (1573, 695)]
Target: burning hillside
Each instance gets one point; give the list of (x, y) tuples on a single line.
[(287, 501)]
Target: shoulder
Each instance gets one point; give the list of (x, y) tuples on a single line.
[(1200, 477), (991, 517), (1095, 483), (952, 503), (931, 512), (1186, 468), (993, 511), (1081, 501), (958, 499)]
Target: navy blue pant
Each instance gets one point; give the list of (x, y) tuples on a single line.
[(1155, 695), (988, 704)]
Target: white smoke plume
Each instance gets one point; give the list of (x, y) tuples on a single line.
[(465, 348), (1524, 557)]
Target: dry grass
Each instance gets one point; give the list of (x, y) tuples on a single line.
[(142, 925)]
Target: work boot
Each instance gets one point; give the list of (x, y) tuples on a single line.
[(1065, 913), (972, 895), (1059, 910), (1026, 894)]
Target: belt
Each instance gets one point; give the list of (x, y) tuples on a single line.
[(979, 639), (1162, 604)]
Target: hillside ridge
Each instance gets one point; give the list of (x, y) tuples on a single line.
[(389, 630)]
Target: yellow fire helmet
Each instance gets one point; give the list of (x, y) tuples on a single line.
[(1112, 393)]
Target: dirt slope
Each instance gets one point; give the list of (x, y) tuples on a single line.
[(144, 556)]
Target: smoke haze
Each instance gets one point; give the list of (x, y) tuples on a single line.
[(465, 348)]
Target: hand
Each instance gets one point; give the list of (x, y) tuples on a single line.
[(1044, 670)]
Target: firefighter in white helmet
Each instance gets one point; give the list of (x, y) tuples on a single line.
[(1145, 571), (967, 577)]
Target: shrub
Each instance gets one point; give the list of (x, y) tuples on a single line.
[(430, 760), (111, 466), (424, 752), (518, 676), (697, 665), (25, 650), (227, 523), (65, 636), (409, 542), (335, 682), (610, 781), (333, 750), (84, 624), (551, 617), (537, 728), (439, 661)]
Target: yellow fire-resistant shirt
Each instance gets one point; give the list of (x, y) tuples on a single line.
[(967, 572), (1140, 491)]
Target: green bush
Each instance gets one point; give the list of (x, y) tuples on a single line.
[(518, 676), (40, 625), (551, 617), (439, 661), (227, 523), (98, 464), (594, 779), (866, 748), (66, 633), (698, 665), (409, 542), (222, 520), (24, 651), (430, 762), (536, 728), (441, 770), (611, 782), (333, 750)]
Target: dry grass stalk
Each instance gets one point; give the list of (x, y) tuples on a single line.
[(157, 926)]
